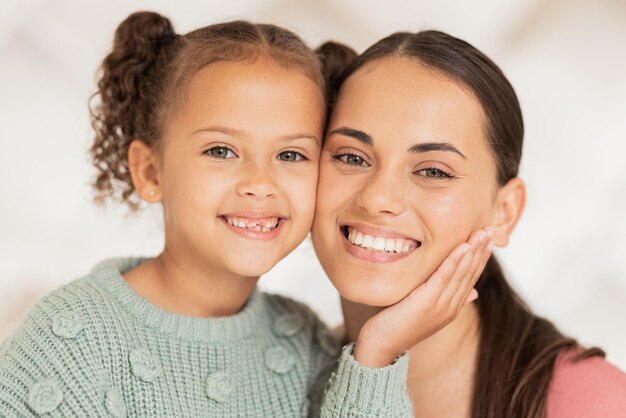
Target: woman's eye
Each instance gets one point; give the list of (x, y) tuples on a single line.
[(351, 159), (291, 156), (434, 173), (220, 152)]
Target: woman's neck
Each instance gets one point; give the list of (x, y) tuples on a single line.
[(177, 284), (441, 367)]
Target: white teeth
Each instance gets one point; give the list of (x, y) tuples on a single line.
[(398, 245), (264, 225), (379, 243)]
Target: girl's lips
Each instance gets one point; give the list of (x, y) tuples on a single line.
[(255, 234), (373, 256)]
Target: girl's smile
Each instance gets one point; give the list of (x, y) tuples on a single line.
[(255, 225)]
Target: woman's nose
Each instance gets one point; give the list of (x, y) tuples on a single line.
[(381, 194)]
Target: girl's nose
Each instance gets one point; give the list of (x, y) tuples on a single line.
[(258, 181)]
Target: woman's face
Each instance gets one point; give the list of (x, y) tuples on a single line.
[(406, 175)]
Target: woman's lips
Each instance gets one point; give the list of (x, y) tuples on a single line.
[(377, 245)]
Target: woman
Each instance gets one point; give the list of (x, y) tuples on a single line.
[(423, 147)]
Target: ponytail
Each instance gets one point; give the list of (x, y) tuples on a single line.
[(518, 351), (335, 58), (125, 91)]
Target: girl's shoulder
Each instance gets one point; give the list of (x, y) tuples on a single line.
[(592, 387)]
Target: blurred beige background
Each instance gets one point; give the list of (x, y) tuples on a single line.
[(566, 59)]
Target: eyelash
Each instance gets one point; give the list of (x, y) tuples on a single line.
[(439, 173), (299, 156), (343, 158)]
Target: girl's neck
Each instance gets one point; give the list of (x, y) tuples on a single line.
[(177, 284)]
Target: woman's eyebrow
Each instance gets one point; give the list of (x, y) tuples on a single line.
[(354, 133), (435, 146)]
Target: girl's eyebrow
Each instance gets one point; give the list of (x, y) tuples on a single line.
[(239, 134), (435, 146)]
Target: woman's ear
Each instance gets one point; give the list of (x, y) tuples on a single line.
[(143, 164), (510, 202)]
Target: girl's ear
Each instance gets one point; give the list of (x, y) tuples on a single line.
[(144, 169), (510, 202)]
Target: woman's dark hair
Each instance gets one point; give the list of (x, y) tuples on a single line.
[(143, 79), (518, 349)]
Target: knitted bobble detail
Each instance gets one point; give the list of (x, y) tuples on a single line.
[(45, 396), (67, 324), (114, 403), (288, 325), (219, 386), (279, 360), (144, 365)]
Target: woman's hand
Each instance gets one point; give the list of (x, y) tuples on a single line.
[(428, 308)]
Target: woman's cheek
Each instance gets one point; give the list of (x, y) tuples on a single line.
[(449, 216)]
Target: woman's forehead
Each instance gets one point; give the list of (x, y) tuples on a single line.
[(400, 97)]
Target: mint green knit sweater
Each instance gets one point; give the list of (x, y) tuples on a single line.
[(95, 348)]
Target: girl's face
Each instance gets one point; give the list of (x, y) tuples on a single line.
[(239, 166), (406, 175)]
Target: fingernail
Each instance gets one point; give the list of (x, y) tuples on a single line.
[(490, 231), (482, 236), (490, 246), (465, 248)]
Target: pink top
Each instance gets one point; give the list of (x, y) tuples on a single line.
[(591, 388)]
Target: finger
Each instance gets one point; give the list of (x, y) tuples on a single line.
[(466, 279), (481, 259), (432, 288), (448, 294), (473, 295)]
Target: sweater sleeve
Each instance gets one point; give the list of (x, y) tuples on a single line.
[(586, 389), (345, 388), (48, 367)]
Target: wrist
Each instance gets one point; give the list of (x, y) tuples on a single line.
[(373, 357)]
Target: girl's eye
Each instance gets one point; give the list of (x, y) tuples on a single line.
[(291, 156), (351, 159), (221, 153), (434, 173)]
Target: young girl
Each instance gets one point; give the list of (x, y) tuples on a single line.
[(223, 126), (424, 146)]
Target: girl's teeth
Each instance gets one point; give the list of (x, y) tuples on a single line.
[(265, 225), (398, 245)]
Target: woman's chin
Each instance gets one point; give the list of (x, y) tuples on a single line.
[(370, 294)]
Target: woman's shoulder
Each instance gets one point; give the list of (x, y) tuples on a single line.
[(591, 387)]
